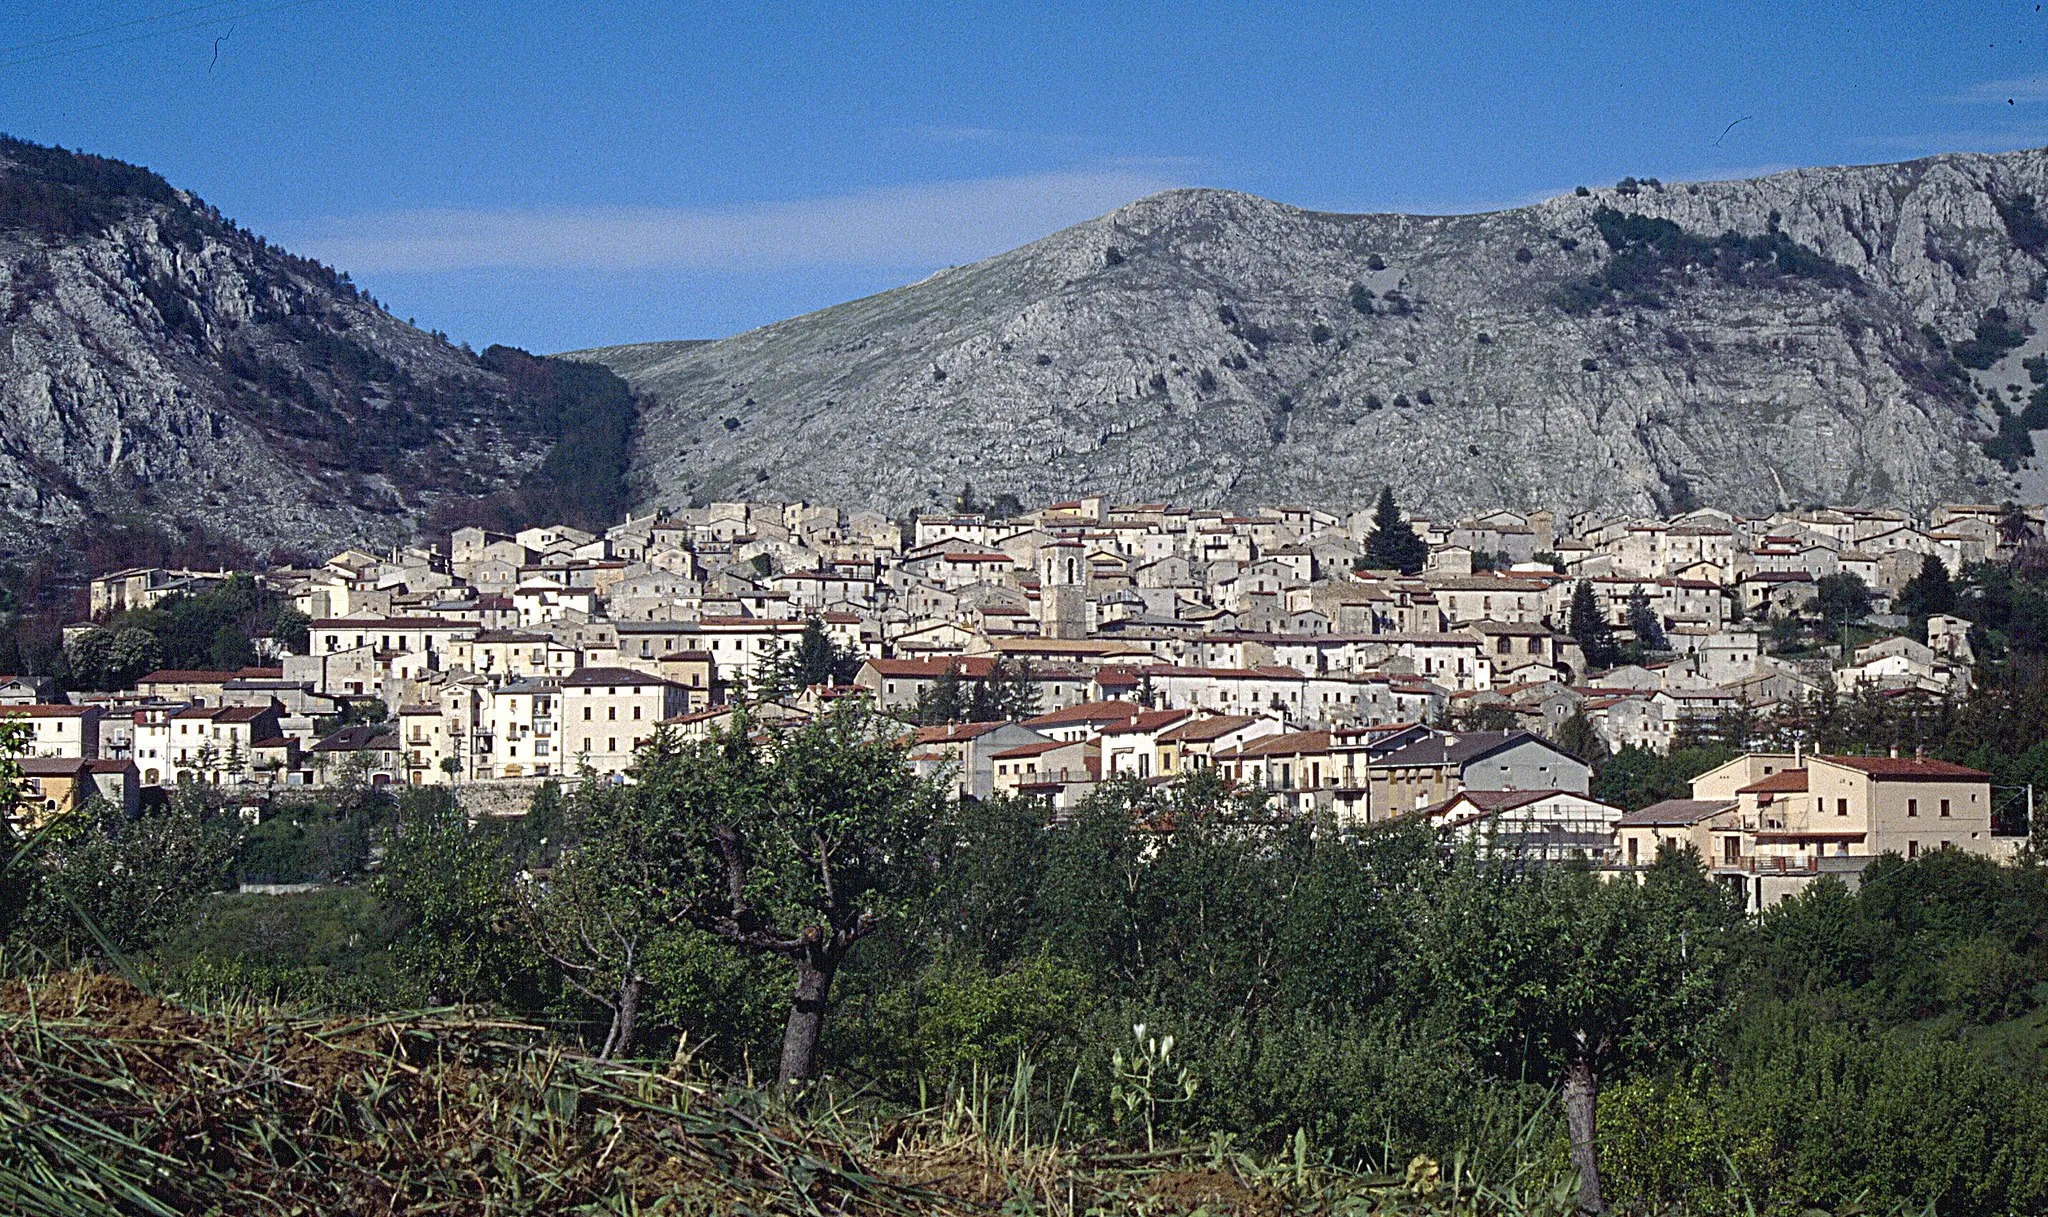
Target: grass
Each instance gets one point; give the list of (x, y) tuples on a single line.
[(117, 1101)]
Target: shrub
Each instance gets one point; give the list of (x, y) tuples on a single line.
[(1590, 365), (1996, 333), (1320, 333), (1113, 256), (1361, 298), (1523, 255), (1582, 192), (2025, 225), (1375, 262)]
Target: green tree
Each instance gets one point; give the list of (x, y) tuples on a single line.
[(112, 657), (106, 878), (453, 884), (1558, 976), (942, 701), (1393, 544), (797, 849), (1590, 629), (1016, 690), (1578, 736), (983, 703), (1842, 598), (600, 913), (1643, 623), (16, 875), (1928, 592), (815, 660)]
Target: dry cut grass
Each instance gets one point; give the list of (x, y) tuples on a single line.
[(114, 1101)]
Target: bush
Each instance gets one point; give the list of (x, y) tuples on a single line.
[(1647, 255), (1996, 333)]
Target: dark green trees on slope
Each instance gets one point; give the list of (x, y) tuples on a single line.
[(1393, 544)]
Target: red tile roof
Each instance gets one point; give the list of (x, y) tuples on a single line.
[(1150, 720), (185, 676), (1088, 712), (1899, 768), (1030, 750), (1785, 781), (955, 733)]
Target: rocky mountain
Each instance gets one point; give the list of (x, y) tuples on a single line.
[(164, 370), (1844, 335)]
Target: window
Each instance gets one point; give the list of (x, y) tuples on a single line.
[(586, 714), (1944, 809), (636, 714), (1841, 807), (611, 713), (1912, 849), (1912, 807), (611, 745)]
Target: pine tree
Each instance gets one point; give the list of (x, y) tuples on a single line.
[(939, 702), (1393, 544), (1928, 592), (1016, 692), (1578, 736), (1643, 623), (1589, 628)]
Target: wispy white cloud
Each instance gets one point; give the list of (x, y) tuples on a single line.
[(1999, 92), (937, 223), (940, 134)]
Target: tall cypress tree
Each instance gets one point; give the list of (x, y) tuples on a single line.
[(1590, 630), (1642, 621), (1393, 544), (1928, 592)]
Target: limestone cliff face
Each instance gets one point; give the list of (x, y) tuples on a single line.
[(160, 365), (1215, 347)]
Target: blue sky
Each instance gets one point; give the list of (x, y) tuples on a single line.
[(565, 175)]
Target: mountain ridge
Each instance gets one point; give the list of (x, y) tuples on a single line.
[(1214, 345), (170, 380)]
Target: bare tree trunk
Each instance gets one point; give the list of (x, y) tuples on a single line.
[(620, 1039), (1581, 1103), (814, 971)]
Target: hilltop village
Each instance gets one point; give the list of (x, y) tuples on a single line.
[(1360, 667)]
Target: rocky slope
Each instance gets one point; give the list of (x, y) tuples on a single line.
[(1215, 347), (161, 367)]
